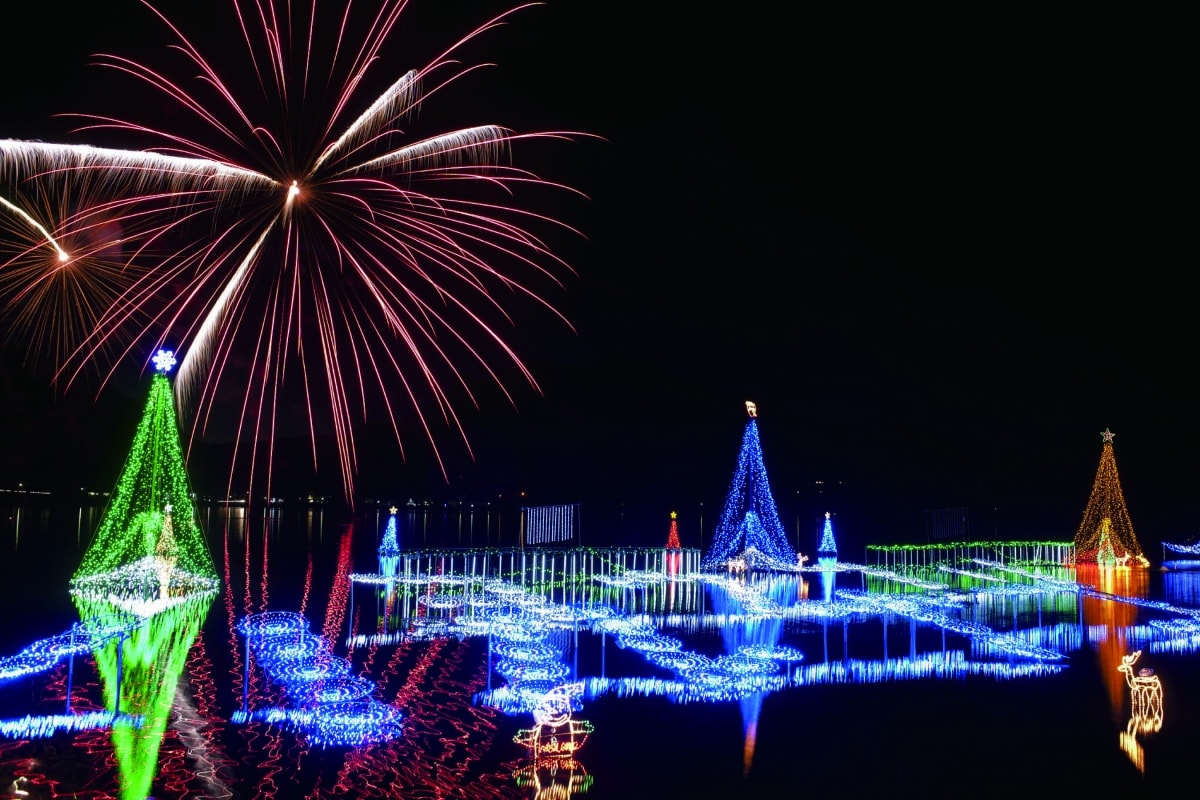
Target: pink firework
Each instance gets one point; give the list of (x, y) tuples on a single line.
[(299, 246)]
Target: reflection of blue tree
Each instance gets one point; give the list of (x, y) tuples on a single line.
[(749, 526), (745, 629)]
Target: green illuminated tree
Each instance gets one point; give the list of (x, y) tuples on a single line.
[(151, 515)]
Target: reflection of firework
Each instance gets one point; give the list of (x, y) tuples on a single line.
[(308, 228)]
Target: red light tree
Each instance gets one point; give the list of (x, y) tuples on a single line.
[(673, 535)]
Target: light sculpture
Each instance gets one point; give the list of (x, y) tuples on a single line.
[(673, 533), (1106, 524), (1146, 714), (749, 530), (827, 549), (327, 703), (46, 726), (552, 778), (389, 548), (148, 551), (555, 732), (140, 674)]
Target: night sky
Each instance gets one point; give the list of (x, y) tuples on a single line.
[(941, 254)]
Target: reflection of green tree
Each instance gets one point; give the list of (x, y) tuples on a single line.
[(151, 661)]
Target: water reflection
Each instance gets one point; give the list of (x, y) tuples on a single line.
[(552, 778), (141, 675), (624, 631), (751, 634), (1182, 587), (1110, 625)]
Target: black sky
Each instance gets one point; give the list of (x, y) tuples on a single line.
[(942, 252)]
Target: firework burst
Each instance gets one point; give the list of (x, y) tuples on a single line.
[(58, 277), (294, 239)]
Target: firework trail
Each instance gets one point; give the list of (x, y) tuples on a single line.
[(57, 282), (300, 245)]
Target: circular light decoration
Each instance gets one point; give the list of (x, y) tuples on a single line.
[(442, 600), (53, 648), (528, 693), (353, 723), (525, 651), (305, 671), (273, 623), (276, 651), (516, 633), (679, 661), (426, 630), (517, 671), (737, 666), (463, 627), (449, 580), (504, 588), (337, 690), (164, 360), (649, 642), (779, 652)]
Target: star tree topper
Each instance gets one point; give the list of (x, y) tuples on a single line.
[(1107, 435), (164, 360)]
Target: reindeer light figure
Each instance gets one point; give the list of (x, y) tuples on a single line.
[(1146, 695)]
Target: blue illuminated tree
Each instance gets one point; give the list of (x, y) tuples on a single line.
[(749, 529), (389, 548), (827, 549)]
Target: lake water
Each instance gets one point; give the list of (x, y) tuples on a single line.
[(875, 700)]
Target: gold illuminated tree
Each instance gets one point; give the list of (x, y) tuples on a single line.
[(1105, 535)]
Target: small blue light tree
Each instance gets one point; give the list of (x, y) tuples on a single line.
[(827, 549), (389, 548)]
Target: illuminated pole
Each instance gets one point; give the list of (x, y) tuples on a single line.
[(71, 669)]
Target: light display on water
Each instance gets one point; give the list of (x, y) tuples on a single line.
[(379, 259), (1105, 533), (556, 733), (140, 676), (1186, 563), (148, 551), (43, 654), (673, 533), (749, 530), (46, 726), (553, 778), (389, 548), (1146, 708), (327, 703), (827, 549)]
